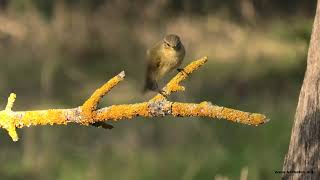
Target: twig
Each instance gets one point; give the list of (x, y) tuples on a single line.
[(157, 106)]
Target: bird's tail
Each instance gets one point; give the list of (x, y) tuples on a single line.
[(150, 84)]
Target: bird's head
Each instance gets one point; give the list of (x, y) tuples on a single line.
[(172, 41)]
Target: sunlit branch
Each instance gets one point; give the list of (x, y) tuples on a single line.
[(155, 107)]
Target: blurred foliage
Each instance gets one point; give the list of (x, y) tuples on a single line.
[(55, 53)]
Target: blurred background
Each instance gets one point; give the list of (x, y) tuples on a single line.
[(54, 54)]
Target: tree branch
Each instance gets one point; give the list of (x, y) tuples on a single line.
[(155, 107)]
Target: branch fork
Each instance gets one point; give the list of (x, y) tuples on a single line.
[(157, 106)]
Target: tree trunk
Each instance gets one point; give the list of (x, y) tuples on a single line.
[(304, 152)]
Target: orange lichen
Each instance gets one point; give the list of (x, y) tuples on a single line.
[(43, 117), (90, 106), (125, 111), (206, 109), (157, 106), (174, 83)]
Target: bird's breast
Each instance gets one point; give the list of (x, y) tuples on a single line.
[(170, 57)]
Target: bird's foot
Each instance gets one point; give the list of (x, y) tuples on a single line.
[(163, 93), (182, 70)]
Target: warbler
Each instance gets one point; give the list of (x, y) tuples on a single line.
[(162, 58)]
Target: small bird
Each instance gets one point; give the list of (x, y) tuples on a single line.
[(163, 57)]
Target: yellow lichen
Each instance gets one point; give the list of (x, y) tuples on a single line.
[(125, 111), (7, 120), (10, 102), (174, 83), (13, 133), (90, 106), (157, 106), (44, 117), (206, 109)]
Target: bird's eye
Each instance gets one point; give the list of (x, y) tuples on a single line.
[(166, 45), (178, 46)]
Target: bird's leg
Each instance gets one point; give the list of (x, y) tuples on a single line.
[(156, 88), (102, 124), (163, 93), (182, 70)]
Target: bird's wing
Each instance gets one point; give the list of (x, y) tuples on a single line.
[(153, 59)]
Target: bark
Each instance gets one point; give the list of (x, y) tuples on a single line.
[(304, 152)]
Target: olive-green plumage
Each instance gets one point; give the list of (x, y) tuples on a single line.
[(163, 57)]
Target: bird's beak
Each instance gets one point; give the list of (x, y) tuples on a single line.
[(176, 47)]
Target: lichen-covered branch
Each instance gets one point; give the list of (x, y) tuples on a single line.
[(90, 106), (174, 83), (157, 106)]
